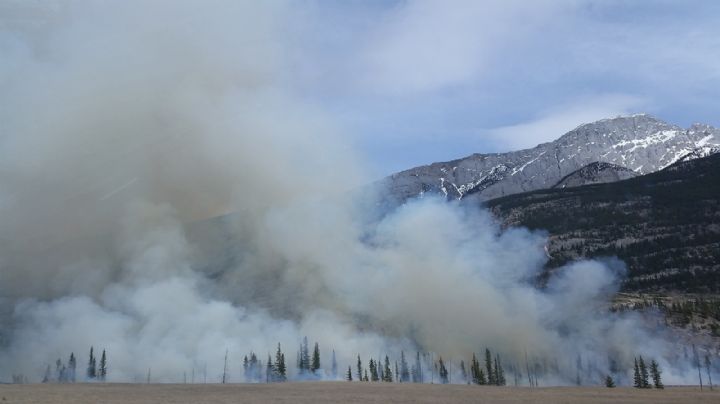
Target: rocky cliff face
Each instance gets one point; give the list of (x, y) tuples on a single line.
[(596, 173), (640, 143)]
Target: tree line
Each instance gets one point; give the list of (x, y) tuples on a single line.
[(67, 372)]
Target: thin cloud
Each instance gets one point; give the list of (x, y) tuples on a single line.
[(561, 119)]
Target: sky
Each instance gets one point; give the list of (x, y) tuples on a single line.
[(414, 82), (421, 81)]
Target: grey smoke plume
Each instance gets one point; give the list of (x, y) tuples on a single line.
[(127, 126)]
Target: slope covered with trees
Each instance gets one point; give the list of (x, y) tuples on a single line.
[(665, 226)]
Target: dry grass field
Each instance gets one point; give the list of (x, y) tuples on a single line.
[(340, 392)]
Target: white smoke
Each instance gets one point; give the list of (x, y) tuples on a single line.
[(127, 125)]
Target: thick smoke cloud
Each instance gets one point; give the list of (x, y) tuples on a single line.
[(127, 127)]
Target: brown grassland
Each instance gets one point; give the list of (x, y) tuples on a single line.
[(340, 392)]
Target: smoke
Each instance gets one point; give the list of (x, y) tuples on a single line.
[(129, 130)]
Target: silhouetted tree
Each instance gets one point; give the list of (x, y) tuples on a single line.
[(280, 369), (655, 372), (489, 367), (644, 376), (637, 378), (103, 366), (359, 368), (404, 371), (387, 373), (348, 375), (442, 371), (609, 382), (707, 368), (92, 367), (334, 365), (72, 367), (315, 365)]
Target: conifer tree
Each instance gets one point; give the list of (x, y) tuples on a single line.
[(637, 378), (280, 369), (304, 356), (366, 376), (475, 370), (255, 367), (373, 371), (443, 371), (404, 371), (418, 374), (103, 366), (348, 375), (489, 367), (269, 370), (334, 365), (707, 369), (499, 371), (463, 372), (387, 373), (655, 372), (644, 376), (609, 382), (359, 368), (315, 359), (246, 368), (92, 368), (72, 367), (58, 371)]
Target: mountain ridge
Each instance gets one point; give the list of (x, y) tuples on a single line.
[(638, 142)]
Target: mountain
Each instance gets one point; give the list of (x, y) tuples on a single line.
[(665, 226), (640, 143), (596, 173)]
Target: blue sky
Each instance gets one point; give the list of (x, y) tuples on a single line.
[(413, 82), (420, 81)]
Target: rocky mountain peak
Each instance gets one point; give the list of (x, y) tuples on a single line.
[(640, 143)]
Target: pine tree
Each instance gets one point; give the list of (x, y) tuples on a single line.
[(359, 368), (304, 356), (315, 359), (374, 371), (58, 371), (255, 367), (103, 366), (707, 369), (637, 378), (404, 371), (334, 365), (246, 368), (655, 372), (91, 369), (417, 369), (348, 375), (463, 373), (269, 370), (609, 382), (489, 367), (644, 376), (475, 371), (387, 373), (72, 366), (280, 369), (366, 376), (499, 372), (443, 371)]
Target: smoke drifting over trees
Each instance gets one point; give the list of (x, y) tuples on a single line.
[(124, 125)]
